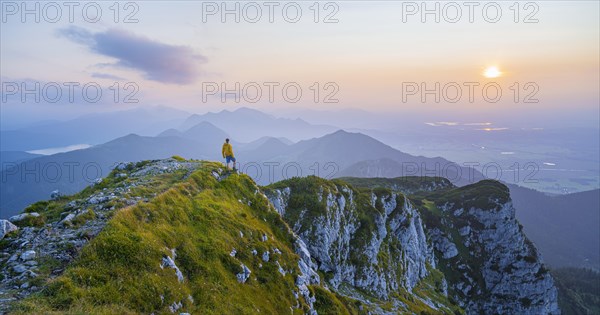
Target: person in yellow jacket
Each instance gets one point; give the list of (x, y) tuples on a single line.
[(227, 152)]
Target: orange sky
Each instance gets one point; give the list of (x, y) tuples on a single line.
[(369, 53)]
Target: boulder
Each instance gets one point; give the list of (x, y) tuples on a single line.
[(54, 195), (23, 216), (243, 276), (19, 268), (28, 255), (121, 166), (443, 244), (6, 227), (170, 262), (68, 219)]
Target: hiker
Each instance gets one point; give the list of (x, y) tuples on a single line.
[(227, 152)]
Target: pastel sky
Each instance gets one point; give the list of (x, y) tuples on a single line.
[(368, 53)]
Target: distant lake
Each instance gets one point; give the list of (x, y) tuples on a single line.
[(49, 151)]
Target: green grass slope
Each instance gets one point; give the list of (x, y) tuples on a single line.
[(201, 220)]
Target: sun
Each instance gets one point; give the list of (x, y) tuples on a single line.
[(492, 72)]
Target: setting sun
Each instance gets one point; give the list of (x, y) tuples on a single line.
[(492, 72)]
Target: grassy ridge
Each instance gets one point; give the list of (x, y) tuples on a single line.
[(201, 219)]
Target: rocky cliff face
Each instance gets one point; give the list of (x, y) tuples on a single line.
[(490, 265), (481, 246), (515, 278), (378, 245)]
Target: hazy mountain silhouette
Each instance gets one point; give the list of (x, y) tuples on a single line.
[(336, 154), (564, 227), (246, 125), (259, 142), (266, 145), (9, 157), (203, 132)]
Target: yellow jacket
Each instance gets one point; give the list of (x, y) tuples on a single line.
[(227, 150)]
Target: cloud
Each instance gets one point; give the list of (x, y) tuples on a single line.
[(157, 61), (442, 123), (478, 124), (493, 129), (106, 76), (452, 123)]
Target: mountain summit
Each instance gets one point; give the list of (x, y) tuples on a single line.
[(186, 236), (245, 125)]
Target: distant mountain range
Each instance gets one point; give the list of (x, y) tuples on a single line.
[(336, 155), (91, 129), (203, 132), (8, 158), (246, 125)]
